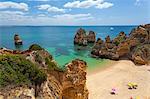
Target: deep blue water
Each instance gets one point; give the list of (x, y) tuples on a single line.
[(58, 40)]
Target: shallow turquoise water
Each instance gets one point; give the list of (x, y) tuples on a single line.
[(58, 40)]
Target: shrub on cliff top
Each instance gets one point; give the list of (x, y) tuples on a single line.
[(35, 47), (16, 70), (52, 65)]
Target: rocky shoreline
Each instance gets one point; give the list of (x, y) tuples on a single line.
[(58, 84), (33, 73), (135, 46)]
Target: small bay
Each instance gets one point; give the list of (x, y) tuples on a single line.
[(58, 40)]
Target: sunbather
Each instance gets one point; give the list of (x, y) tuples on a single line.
[(113, 91)]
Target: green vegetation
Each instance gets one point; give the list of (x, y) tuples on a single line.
[(116, 43), (16, 70), (52, 65), (35, 47), (119, 40), (38, 58)]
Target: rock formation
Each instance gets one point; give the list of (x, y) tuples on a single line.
[(17, 40), (141, 54), (69, 83), (135, 47), (74, 81), (91, 37), (82, 39)]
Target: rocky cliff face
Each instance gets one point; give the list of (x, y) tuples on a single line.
[(134, 47), (69, 83), (18, 93), (82, 39), (74, 80)]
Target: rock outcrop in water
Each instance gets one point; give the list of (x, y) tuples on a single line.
[(17, 40), (135, 47), (82, 39), (69, 83)]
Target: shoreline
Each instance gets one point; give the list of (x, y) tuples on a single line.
[(118, 75), (108, 64)]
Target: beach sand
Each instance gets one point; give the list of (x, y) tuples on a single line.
[(118, 75)]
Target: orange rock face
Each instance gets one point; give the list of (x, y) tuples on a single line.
[(74, 81), (134, 47), (60, 84)]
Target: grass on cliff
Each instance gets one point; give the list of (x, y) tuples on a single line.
[(35, 47), (52, 65), (48, 60), (16, 70)]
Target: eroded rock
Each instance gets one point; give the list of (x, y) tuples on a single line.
[(17, 40), (69, 83), (74, 81), (126, 47), (82, 39)]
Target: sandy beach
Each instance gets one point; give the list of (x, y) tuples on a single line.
[(100, 82)]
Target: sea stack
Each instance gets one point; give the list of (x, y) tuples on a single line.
[(17, 40), (82, 38)]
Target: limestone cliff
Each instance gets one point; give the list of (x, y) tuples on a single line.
[(74, 80), (69, 83)]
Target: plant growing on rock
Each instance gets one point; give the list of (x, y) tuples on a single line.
[(51, 65), (16, 70), (35, 47)]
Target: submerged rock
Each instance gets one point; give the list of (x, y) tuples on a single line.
[(17, 40)]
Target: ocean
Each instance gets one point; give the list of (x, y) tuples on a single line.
[(58, 40)]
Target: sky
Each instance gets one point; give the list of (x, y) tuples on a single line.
[(74, 12)]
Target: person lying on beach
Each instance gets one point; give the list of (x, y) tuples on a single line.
[(113, 91)]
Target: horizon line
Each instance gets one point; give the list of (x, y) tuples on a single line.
[(76, 25)]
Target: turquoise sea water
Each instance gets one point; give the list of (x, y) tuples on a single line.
[(58, 40)]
